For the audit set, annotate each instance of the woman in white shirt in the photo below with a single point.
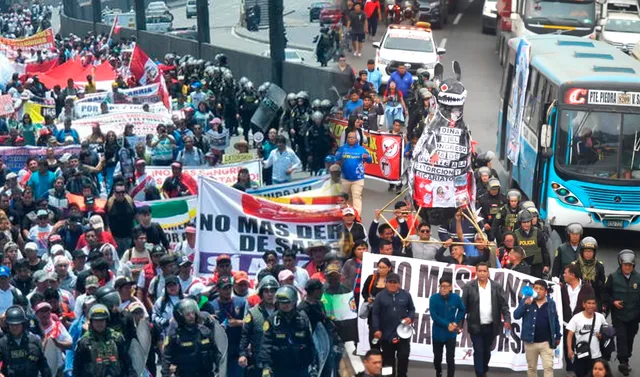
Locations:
(580, 330)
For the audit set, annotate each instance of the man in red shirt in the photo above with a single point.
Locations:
(374, 14)
(104, 236)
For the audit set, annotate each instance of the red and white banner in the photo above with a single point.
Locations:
(227, 174)
(234, 222)
(43, 40)
(441, 168)
(146, 71)
(143, 123)
(6, 105)
(386, 151)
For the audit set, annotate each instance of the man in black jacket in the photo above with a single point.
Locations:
(391, 307)
(486, 305)
(372, 364)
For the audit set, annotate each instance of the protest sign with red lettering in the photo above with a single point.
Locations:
(225, 174)
(43, 40)
(143, 123)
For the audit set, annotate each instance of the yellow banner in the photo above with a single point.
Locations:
(236, 158)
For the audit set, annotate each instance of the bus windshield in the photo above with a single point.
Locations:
(575, 13)
(599, 144)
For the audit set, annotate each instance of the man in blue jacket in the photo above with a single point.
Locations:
(447, 312)
(541, 331)
(403, 80)
(391, 307)
(374, 75)
(352, 157)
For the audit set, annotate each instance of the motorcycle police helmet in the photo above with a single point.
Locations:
(108, 297)
(317, 116)
(268, 282)
(302, 95)
(493, 183)
(514, 194)
(626, 256)
(185, 306)
(15, 315)
(326, 104)
(423, 74)
(524, 216)
(588, 243)
(243, 81)
(315, 105)
(286, 295)
(574, 228)
(98, 311)
(484, 171)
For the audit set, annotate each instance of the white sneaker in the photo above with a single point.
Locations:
(355, 53)
(359, 54)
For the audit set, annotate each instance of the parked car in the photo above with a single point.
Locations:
(621, 30)
(316, 8)
(191, 8)
(489, 17)
(330, 15)
(433, 12)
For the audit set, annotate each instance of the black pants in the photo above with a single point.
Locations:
(536, 270)
(567, 362)
(482, 342)
(625, 334)
(267, 174)
(582, 367)
(438, 347)
(392, 352)
(373, 24)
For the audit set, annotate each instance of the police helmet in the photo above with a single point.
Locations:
(423, 73)
(493, 183)
(315, 105)
(484, 171)
(326, 104)
(525, 216)
(513, 193)
(108, 297)
(626, 256)
(249, 86)
(286, 295)
(588, 243)
(317, 116)
(268, 282)
(15, 315)
(243, 80)
(531, 207)
(302, 95)
(424, 94)
(228, 76)
(291, 97)
(185, 306)
(169, 57)
(221, 60)
(574, 228)
(98, 311)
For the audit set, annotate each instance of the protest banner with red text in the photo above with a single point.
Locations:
(143, 123)
(43, 40)
(16, 157)
(226, 174)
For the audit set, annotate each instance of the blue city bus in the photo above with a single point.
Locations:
(580, 131)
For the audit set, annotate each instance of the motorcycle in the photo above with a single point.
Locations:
(394, 13)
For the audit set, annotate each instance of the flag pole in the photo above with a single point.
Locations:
(115, 21)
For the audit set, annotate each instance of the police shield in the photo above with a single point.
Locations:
(322, 342)
(139, 348)
(220, 336)
(269, 107)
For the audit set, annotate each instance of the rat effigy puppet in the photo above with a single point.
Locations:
(441, 176)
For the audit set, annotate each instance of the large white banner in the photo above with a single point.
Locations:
(92, 109)
(139, 91)
(421, 279)
(245, 226)
(291, 188)
(226, 174)
(143, 123)
(516, 110)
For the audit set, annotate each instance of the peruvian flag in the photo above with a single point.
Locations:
(146, 72)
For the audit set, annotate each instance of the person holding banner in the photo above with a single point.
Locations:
(393, 306)
(283, 160)
(352, 157)
(487, 307)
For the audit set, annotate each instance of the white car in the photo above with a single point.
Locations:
(290, 55)
(621, 30)
(489, 16)
(158, 7)
(414, 46)
(191, 8)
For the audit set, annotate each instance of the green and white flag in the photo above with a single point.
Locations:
(172, 215)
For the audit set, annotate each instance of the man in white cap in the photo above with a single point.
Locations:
(39, 233)
(187, 247)
(97, 224)
(10, 185)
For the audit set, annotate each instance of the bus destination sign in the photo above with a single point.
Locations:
(613, 98)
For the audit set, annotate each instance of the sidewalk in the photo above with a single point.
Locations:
(262, 36)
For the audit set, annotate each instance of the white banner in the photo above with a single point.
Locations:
(92, 109)
(421, 279)
(140, 91)
(291, 188)
(237, 223)
(226, 174)
(143, 123)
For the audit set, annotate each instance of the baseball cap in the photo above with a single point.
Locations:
(182, 261)
(56, 249)
(223, 257)
(284, 275)
(332, 269)
(40, 276)
(225, 282)
(12, 245)
(42, 213)
(240, 277)
(42, 305)
(121, 282)
(348, 211)
(5, 272)
(96, 222)
(393, 277)
(335, 168)
(171, 280)
(92, 281)
(60, 259)
(143, 210)
(166, 259)
(11, 175)
(65, 158)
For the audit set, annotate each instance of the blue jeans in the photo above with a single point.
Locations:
(392, 113)
(482, 349)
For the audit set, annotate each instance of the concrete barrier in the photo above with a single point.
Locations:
(257, 68)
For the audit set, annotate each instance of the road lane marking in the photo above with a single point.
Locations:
(458, 17)
(443, 42)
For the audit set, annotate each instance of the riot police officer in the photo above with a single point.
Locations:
(622, 297)
(286, 122)
(190, 348)
(252, 334)
(592, 269)
(300, 124)
(507, 218)
(101, 352)
(247, 106)
(568, 251)
(490, 204)
(21, 352)
(287, 349)
(419, 113)
(533, 243)
(318, 143)
(119, 320)
(227, 102)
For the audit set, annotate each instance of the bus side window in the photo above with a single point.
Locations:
(530, 99)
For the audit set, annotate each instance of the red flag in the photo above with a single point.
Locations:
(116, 27)
(143, 68)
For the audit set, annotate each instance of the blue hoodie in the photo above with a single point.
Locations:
(352, 162)
(443, 312)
